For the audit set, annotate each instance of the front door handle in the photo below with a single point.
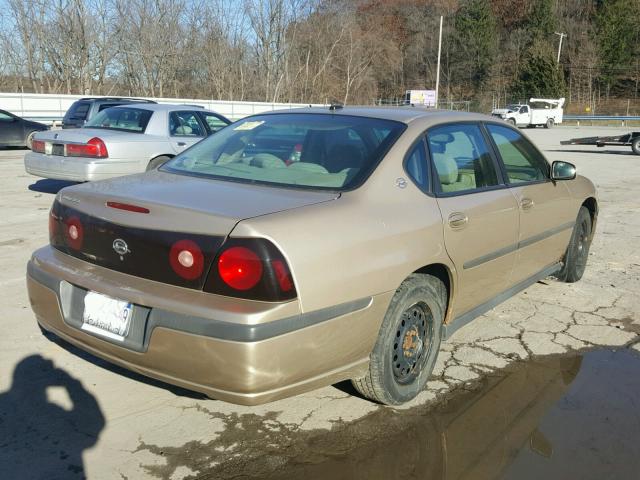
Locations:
(181, 144)
(526, 204)
(458, 220)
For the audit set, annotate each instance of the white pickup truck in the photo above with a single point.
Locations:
(539, 111)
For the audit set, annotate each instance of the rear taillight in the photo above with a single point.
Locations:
(37, 146)
(251, 268)
(94, 148)
(74, 233)
(240, 268)
(186, 259)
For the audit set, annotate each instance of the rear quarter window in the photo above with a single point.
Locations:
(78, 111)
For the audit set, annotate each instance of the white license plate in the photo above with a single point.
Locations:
(106, 316)
(48, 148)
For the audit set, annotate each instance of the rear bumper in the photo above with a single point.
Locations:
(78, 169)
(242, 352)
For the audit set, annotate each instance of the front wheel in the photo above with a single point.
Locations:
(575, 258)
(512, 121)
(635, 145)
(408, 342)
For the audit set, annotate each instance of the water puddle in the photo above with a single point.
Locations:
(565, 417)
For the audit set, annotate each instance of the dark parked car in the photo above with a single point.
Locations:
(16, 131)
(83, 110)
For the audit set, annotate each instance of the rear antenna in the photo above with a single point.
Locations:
(336, 106)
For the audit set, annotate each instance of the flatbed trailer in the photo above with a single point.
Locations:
(631, 139)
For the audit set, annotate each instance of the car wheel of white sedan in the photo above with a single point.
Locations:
(157, 162)
(408, 342)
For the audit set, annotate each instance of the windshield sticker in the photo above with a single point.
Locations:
(249, 125)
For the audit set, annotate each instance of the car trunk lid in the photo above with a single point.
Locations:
(132, 223)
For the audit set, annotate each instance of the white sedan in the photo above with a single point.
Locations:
(120, 141)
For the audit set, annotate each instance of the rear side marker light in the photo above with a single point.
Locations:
(240, 268)
(74, 233)
(186, 259)
(128, 207)
(282, 275)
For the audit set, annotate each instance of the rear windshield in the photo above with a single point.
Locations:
(120, 118)
(78, 111)
(324, 151)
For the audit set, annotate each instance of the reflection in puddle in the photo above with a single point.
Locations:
(567, 417)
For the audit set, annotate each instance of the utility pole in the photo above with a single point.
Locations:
(562, 35)
(439, 52)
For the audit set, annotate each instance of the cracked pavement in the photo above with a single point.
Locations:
(154, 431)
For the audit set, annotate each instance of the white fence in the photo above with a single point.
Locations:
(49, 108)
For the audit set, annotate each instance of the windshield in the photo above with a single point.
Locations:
(121, 118)
(513, 108)
(335, 152)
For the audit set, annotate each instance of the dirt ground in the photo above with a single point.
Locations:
(65, 414)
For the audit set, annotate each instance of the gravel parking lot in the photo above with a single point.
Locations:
(76, 414)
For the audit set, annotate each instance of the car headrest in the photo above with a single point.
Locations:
(184, 130)
(343, 156)
(446, 167)
(267, 160)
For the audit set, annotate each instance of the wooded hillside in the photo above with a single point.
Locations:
(350, 51)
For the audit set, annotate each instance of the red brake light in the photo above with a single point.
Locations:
(37, 146)
(74, 233)
(94, 148)
(128, 207)
(186, 259)
(240, 268)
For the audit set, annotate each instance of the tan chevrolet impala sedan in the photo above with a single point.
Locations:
(297, 249)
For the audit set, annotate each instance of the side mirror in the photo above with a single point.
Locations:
(563, 171)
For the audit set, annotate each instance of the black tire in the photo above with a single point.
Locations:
(28, 140)
(512, 121)
(577, 254)
(549, 123)
(408, 342)
(157, 162)
(635, 145)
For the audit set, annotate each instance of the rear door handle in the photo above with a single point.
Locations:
(526, 204)
(458, 220)
(181, 144)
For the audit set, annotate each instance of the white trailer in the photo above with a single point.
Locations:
(539, 111)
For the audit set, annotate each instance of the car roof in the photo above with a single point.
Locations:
(162, 107)
(405, 114)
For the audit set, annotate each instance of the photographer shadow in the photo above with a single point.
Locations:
(42, 439)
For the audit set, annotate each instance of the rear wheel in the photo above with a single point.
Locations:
(157, 162)
(549, 123)
(575, 259)
(408, 342)
(635, 145)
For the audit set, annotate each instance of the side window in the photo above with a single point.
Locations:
(522, 162)
(524, 109)
(5, 118)
(461, 157)
(185, 124)
(214, 122)
(416, 165)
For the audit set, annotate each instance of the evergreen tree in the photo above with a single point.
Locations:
(618, 33)
(476, 39)
(539, 75)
